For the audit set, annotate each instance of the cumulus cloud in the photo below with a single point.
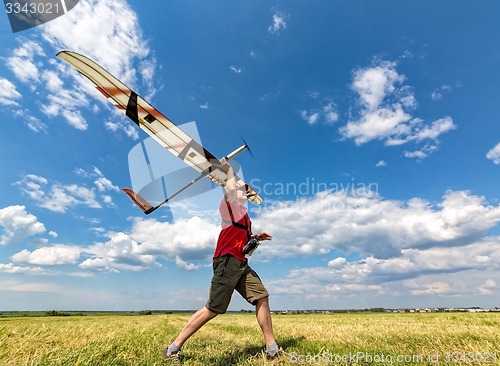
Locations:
(406, 247)
(8, 93)
(140, 249)
(188, 239)
(417, 273)
(363, 222)
(18, 225)
(494, 154)
(386, 107)
(116, 46)
(48, 256)
(106, 31)
(121, 252)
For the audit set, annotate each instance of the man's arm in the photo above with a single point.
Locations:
(231, 181)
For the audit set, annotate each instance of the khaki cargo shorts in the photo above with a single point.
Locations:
(231, 274)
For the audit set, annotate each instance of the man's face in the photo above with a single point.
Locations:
(241, 196)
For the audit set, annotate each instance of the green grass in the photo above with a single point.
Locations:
(236, 339)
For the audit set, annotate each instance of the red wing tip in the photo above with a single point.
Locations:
(144, 205)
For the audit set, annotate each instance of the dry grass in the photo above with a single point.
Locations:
(235, 339)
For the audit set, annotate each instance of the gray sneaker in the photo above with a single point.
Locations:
(279, 353)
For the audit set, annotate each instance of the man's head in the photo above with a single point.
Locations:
(241, 194)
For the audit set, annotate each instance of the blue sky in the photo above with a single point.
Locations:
(374, 127)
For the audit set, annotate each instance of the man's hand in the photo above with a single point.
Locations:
(224, 163)
(263, 236)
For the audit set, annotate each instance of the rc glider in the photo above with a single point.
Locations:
(159, 127)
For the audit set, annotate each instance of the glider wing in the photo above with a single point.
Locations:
(150, 120)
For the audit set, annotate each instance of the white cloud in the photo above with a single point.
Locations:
(421, 153)
(75, 119)
(27, 63)
(187, 239)
(48, 256)
(325, 113)
(487, 287)
(57, 197)
(421, 132)
(106, 31)
(376, 83)
(329, 113)
(18, 225)
(494, 154)
(436, 129)
(364, 222)
(278, 23)
(378, 124)
(121, 124)
(385, 111)
(235, 69)
(8, 93)
(432, 289)
(104, 184)
(416, 272)
(22, 64)
(33, 123)
(337, 262)
(436, 95)
(311, 117)
(185, 265)
(11, 268)
(381, 163)
(121, 252)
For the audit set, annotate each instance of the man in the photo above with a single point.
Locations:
(231, 272)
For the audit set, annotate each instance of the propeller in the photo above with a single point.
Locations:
(248, 147)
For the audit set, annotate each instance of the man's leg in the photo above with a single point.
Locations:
(196, 321)
(264, 319)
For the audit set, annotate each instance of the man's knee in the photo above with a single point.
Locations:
(210, 314)
(263, 300)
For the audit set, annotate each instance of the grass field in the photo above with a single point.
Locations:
(235, 339)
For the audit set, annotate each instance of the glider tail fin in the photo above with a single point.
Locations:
(144, 205)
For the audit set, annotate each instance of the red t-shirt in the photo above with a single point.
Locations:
(232, 239)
